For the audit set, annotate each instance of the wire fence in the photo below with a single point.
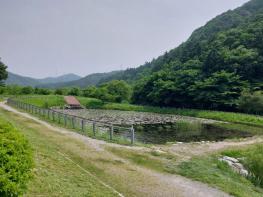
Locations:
(86, 126)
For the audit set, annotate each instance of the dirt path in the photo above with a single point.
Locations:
(187, 150)
(124, 177)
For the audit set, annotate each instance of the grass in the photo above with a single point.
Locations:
(252, 158)
(213, 172)
(45, 101)
(218, 174)
(154, 160)
(241, 128)
(54, 175)
(207, 169)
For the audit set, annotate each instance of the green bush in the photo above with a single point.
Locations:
(16, 161)
(94, 103)
(251, 103)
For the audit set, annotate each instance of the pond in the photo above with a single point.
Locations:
(182, 132)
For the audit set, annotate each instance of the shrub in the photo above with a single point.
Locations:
(251, 103)
(27, 90)
(15, 161)
(75, 91)
(94, 104)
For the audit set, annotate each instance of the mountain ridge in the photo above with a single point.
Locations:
(16, 79)
(192, 47)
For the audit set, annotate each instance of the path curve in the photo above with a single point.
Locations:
(166, 184)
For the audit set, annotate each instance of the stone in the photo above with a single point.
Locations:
(235, 165)
(230, 159)
(244, 172)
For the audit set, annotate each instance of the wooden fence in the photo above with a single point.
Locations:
(74, 122)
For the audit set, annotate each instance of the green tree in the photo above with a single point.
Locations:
(251, 102)
(75, 91)
(60, 91)
(119, 90)
(90, 91)
(220, 90)
(42, 91)
(13, 89)
(3, 72)
(27, 90)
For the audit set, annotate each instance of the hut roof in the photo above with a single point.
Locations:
(71, 100)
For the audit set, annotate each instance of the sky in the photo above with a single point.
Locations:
(41, 38)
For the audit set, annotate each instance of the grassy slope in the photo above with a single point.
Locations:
(54, 175)
(44, 101)
(210, 170)
(204, 169)
(54, 170)
(51, 100)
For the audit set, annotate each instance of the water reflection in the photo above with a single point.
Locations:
(183, 132)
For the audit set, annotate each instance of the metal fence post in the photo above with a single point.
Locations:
(65, 120)
(53, 115)
(132, 135)
(94, 128)
(82, 125)
(111, 132)
(73, 122)
(59, 116)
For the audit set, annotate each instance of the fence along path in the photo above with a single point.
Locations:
(75, 122)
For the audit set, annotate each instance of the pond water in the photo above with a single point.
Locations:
(182, 132)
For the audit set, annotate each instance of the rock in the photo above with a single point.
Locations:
(230, 159)
(244, 172)
(238, 165)
(235, 165)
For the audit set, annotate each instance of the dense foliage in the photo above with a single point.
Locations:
(15, 161)
(213, 67)
(3, 72)
(251, 103)
(113, 91)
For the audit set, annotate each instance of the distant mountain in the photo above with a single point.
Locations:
(60, 79)
(92, 79)
(14, 79)
(196, 46)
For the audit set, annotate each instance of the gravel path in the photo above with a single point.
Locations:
(151, 183)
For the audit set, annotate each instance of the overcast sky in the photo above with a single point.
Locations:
(41, 38)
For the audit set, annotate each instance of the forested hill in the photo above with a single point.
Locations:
(194, 47)
(218, 63)
(89, 80)
(212, 68)
(14, 79)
